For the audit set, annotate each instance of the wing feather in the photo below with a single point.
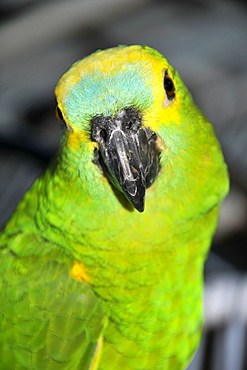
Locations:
(48, 319)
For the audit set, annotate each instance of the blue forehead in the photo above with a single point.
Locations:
(105, 94)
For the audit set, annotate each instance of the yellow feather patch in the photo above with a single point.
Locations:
(77, 137)
(79, 273)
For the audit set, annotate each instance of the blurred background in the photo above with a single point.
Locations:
(206, 40)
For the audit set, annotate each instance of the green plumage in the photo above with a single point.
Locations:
(137, 303)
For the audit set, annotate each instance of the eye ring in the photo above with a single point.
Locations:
(169, 86)
(59, 114)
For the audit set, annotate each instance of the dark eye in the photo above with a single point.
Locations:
(169, 87)
(59, 115)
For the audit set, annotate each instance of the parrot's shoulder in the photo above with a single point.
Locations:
(48, 317)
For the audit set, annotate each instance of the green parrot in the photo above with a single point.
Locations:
(102, 261)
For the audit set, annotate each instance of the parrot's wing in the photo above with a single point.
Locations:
(48, 320)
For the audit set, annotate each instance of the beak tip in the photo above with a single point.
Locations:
(138, 205)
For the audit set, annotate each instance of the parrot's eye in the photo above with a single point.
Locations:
(169, 87)
(59, 115)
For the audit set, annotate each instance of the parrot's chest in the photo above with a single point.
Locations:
(149, 282)
(152, 313)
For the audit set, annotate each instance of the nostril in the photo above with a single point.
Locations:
(130, 120)
(129, 125)
(103, 134)
(101, 128)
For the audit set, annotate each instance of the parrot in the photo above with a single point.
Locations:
(102, 261)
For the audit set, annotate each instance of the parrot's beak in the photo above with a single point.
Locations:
(128, 153)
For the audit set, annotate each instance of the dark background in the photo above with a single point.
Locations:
(207, 42)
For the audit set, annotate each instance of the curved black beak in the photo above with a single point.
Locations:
(128, 152)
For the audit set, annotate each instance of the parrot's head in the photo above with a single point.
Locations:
(123, 104)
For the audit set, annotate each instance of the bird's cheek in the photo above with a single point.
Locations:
(76, 139)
